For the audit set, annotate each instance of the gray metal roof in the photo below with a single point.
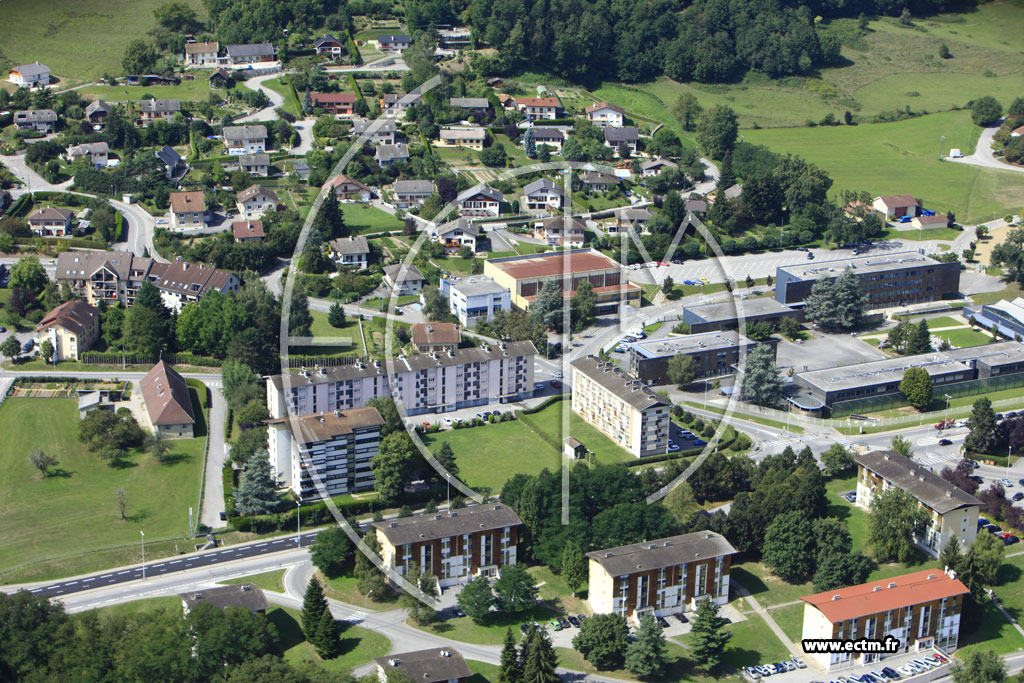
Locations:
(543, 184)
(36, 116)
(485, 190)
(353, 244)
(882, 371)
(34, 69)
(917, 480)
(861, 265)
(729, 310)
(632, 391)
(662, 552)
(384, 126)
(690, 343)
(250, 50)
(433, 526)
(247, 595)
(414, 187)
(439, 665)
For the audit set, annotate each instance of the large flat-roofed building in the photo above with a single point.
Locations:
(335, 447)
(952, 512)
(660, 577)
(628, 412)
(525, 275)
(716, 353)
(472, 299)
(921, 610)
(439, 665)
(883, 377)
(886, 279)
(726, 315)
(424, 383)
(456, 545)
(1007, 316)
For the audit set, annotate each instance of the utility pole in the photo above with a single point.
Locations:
(143, 554)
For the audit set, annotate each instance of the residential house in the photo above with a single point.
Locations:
(174, 165)
(625, 409)
(385, 155)
(245, 139)
(660, 577)
(439, 665)
(393, 42)
(896, 205)
(188, 210)
(247, 231)
(471, 105)
(952, 512)
(455, 38)
(51, 222)
(458, 233)
(470, 137)
(377, 131)
(562, 231)
(696, 206)
(96, 112)
(617, 137)
(653, 167)
(479, 200)
(605, 114)
(422, 383)
(397, 103)
(247, 595)
(201, 54)
(543, 195)
(525, 276)
(436, 337)
(220, 78)
(632, 219)
(252, 53)
(168, 403)
(552, 137)
(350, 190)
(72, 328)
(329, 45)
(599, 180)
(255, 164)
(475, 298)
(153, 110)
(337, 103)
(411, 193)
(95, 152)
(351, 252)
(35, 75)
(917, 612)
(1017, 132)
(256, 200)
(403, 279)
(455, 546)
(715, 354)
(43, 120)
(538, 108)
(734, 191)
(181, 282)
(325, 454)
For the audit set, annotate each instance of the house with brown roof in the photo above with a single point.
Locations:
(605, 114)
(351, 252)
(351, 190)
(439, 665)
(896, 205)
(72, 328)
(201, 54)
(245, 595)
(436, 337)
(188, 210)
(247, 231)
(929, 222)
(165, 394)
(254, 201)
(916, 612)
(337, 103)
(562, 231)
(535, 108)
(51, 222)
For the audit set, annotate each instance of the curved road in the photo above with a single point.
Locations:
(983, 155)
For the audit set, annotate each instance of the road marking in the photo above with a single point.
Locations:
(174, 562)
(36, 590)
(106, 576)
(259, 545)
(125, 571)
(72, 583)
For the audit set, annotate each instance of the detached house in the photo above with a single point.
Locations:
(165, 394)
(96, 112)
(254, 201)
(552, 137)
(479, 200)
(561, 231)
(653, 167)
(152, 110)
(351, 252)
(472, 105)
(458, 233)
(896, 205)
(188, 210)
(247, 231)
(605, 114)
(390, 154)
(396, 104)
(379, 131)
(436, 337)
(255, 164)
(35, 75)
(543, 195)
(396, 42)
(348, 189)
(202, 54)
(411, 193)
(245, 139)
(403, 280)
(42, 120)
(534, 108)
(616, 137)
(337, 103)
(439, 665)
(252, 53)
(329, 45)
(174, 165)
(597, 180)
(470, 137)
(72, 328)
(95, 152)
(51, 222)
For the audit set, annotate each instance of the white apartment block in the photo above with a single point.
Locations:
(626, 410)
(476, 298)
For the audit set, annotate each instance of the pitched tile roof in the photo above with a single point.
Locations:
(898, 200)
(432, 526)
(247, 229)
(662, 552)
(72, 315)
(626, 134)
(604, 105)
(353, 244)
(436, 333)
(881, 596)
(34, 69)
(202, 48)
(412, 273)
(188, 201)
(254, 190)
(166, 395)
(160, 106)
(244, 132)
(414, 187)
(50, 214)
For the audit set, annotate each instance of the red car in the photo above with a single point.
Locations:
(556, 384)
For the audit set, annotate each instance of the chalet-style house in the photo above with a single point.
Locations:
(411, 193)
(42, 120)
(329, 45)
(351, 252)
(254, 201)
(201, 54)
(461, 232)
(605, 114)
(153, 110)
(347, 189)
(245, 139)
(543, 195)
(479, 200)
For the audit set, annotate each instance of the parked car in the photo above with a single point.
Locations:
(800, 664)
(810, 255)
(538, 386)
(1007, 483)
(890, 672)
(906, 219)
(682, 618)
(1016, 497)
(448, 422)
(662, 622)
(563, 622)
(673, 447)
(555, 626)
(556, 384)
(699, 442)
(574, 621)
(753, 673)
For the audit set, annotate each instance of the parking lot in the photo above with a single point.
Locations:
(911, 666)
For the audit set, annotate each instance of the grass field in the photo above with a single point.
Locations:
(191, 91)
(491, 632)
(964, 337)
(64, 35)
(345, 589)
(363, 218)
(375, 334)
(358, 645)
(790, 619)
(268, 581)
(59, 521)
(903, 156)
(605, 450)
(142, 606)
(290, 104)
(321, 328)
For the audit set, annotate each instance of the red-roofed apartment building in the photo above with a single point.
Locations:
(167, 402)
(920, 610)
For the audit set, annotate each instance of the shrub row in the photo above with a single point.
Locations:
(664, 457)
(317, 514)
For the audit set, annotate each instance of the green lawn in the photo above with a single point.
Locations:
(903, 157)
(492, 632)
(375, 334)
(753, 642)
(290, 105)
(768, 422)
(189, 91)
(679, 667)
(964, 337)
(994, 632)
(321, 328)
(944, 321)
(358, 645)
(1010, 292)
(268, 581)
(64, 35)
(69, 522)
(482, 672)
(790, 619)
(345, 589)
(142, 606)
(605, 450)
(382, 304)
(554, 591)
(363, 218)
(949, 234)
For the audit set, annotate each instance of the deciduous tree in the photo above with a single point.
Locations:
(602, 640)
(331, 552)
(476, 599)
(894, 521)
(916, 385)
(682, 369)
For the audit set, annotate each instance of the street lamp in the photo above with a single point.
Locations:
(366, 602)
(942, 146)
(143, 554)
(298, 523)
(946, 419)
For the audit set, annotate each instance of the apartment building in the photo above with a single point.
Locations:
(411, 194)
(423, 383)
(455, 546)
(624, 409)
(475, 298)
(116, 277)
(325, 454)
(436, 337)
(72, 328)
(952, 512)
(887, 280)
(245, 139)
(188, 210)
(525, 275)
(715, 353)
(660, 577)
(479, 200)
(921, 610)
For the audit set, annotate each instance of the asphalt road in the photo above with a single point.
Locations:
(983, 155)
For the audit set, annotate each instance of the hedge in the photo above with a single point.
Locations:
(678, 455)
(228, 478)
(84, 242)
(318, 514)
(21, 206)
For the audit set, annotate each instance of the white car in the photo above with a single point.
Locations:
(1006, 483)
(448, 421)
(556, 375)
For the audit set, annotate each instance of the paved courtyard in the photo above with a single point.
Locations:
(825, 351)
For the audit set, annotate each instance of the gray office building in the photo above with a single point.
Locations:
(716, 353)
(726, 315)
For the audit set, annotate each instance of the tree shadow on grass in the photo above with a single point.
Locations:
(123, 464)
(175, 458)
(58, 472)
(289, 632)
(139, 516)
(752, 582)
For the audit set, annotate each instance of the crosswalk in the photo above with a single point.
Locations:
(355, 617)
(933, 460)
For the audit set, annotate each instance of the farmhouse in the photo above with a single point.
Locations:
(201, 54)
(165, 394)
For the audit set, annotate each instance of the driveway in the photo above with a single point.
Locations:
(276, 99)
(983, 155)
